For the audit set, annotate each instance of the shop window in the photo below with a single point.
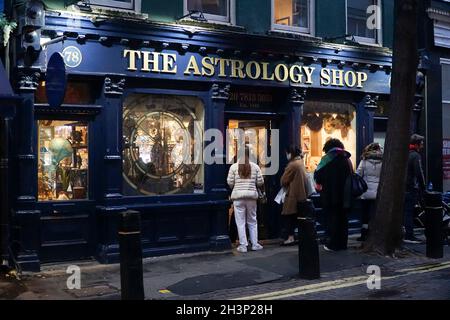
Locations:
(359, 20)
(293, 15)
(77, 92)
(134, 5)
(162, 145)
(63, 160)
(322, 121)
(213, 10)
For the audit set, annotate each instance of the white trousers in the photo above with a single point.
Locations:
(245, 212)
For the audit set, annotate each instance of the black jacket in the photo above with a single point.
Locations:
(332, 177)
(415, 179)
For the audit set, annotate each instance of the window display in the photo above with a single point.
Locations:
(322, 121)
(63, 160)
(159, 137)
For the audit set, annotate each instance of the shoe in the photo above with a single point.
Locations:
(257, 247)
(328, 249)
(412, 239)
(242, 248)
(288, 243)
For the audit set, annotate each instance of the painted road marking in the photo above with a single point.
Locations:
(341, 283)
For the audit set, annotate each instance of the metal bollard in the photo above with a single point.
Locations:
(131, 272)
(434, 231)
(308, 250)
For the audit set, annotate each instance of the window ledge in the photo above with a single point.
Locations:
(211, 25)
(294, 35)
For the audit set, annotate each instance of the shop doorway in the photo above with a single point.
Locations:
(258, 138)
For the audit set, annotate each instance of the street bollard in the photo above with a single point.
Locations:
(308, 250)
(131, 273)
(434, 231)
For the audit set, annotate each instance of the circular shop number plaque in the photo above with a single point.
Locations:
(72, 56)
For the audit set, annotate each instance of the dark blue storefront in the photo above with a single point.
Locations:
(116, 68)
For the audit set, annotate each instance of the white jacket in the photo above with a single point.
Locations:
(245, 188)
(370, 170)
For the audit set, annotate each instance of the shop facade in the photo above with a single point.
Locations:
(131, 86)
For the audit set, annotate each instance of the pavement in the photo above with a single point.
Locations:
(269, 274)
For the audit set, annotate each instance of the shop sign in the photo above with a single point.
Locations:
(250, 99)
(56, 80)
(208, 67)
(446, 159)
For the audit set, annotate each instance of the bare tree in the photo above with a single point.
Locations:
(386, 227)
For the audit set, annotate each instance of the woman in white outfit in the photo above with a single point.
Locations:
(244, 178)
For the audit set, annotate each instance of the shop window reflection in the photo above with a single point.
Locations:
(159, 140)
(63, 160)
(322, 121)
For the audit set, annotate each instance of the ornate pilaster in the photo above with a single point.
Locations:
(27, 85)
(27, 232)
(114, 87)
(216, 173)
(113, 91)
(367, 108)
(296, 102)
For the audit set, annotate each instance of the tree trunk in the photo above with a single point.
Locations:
(386, 227)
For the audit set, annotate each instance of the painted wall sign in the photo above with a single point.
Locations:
(72, 56)
(156, 62)
(56, 80)
(446, 158)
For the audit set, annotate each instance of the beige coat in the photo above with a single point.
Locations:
(294, 179)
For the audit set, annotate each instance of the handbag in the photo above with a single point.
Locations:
(356, 184)
(262, 198)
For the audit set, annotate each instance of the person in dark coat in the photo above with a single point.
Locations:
(415, 186)
(331, 176)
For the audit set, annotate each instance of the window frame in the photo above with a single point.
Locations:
(293, 29)
(444, 61)
(135, 5)
(230, 19)
(61, 117)
(378, 41)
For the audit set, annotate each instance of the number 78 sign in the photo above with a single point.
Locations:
(72, 56)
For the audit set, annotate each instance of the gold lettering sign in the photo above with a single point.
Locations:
(166, 63)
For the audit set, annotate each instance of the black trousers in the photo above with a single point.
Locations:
(289, 225)
(368, 211)
(337, 229)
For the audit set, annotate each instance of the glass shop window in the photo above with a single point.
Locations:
(162, 145)
(118, 4)
(215, 10)
(63, 160)
(77, 92)
(358, 21)
(322, 121)
(293, 15)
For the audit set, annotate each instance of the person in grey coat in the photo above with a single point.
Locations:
(370, 170)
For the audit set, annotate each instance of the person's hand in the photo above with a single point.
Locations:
(318, 187)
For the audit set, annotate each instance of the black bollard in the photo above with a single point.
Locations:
(131, 273)
(434, 231)
(308, 250)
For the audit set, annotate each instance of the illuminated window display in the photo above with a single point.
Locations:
(63, 160)
(159, 137)
(322, 121)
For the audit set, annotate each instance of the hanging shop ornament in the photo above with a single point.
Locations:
(315, 122)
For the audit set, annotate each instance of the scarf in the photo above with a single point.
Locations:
(330, 156)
